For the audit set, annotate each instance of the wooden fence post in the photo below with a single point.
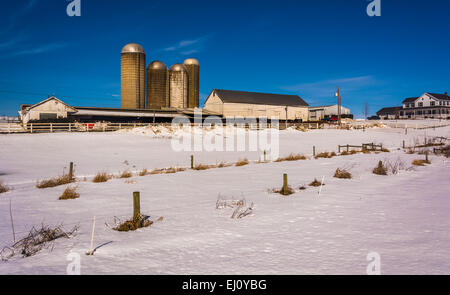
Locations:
(136, 206)
(70, 127)
(265, 155)
(348, 148)
(31, 126)
(285, 184)
(314, 151)
(426, 156)
(403, 144)
(339, 149)
(51, 127)
(71, 171)
(192, 161)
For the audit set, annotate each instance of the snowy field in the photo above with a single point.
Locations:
(403, 217)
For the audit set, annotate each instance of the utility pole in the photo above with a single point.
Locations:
(338, 95)
(286, 117)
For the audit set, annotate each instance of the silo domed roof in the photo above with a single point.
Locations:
(133, 48)
(157, 65)
(178, 68)
(191, 61)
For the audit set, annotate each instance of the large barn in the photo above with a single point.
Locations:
(241, 104)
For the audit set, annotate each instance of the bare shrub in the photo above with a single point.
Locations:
(37, 240)
(396, 166)
(56, 181)
(126, 174)
(326, 155)
(242, 162)
(291, 157)
(102, 177)
(3, 188)
(70, 193)
(133, 224)
(302, 188)
(316, 183)
(240, 206)
(242, 211)
(380, 169)
(343, 174)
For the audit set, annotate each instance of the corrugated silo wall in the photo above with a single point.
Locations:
(178, 89)
(157, 88)
(133, 80)
(194, 85)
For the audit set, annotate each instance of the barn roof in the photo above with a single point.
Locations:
(389, 111)
(231, 96)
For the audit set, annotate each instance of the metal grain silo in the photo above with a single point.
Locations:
(193, 68)
(133, 77)
(178, 84)
(157, 85)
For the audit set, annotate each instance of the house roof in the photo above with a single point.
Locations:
(440, 96)
(49, 99)
(410, 99)
(389, 111)
(231, 96)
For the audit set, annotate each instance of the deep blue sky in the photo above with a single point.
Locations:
(304, 47)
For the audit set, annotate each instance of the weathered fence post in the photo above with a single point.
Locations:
(285, 184)
(314, 151)
(265, 155)
(339, 149)
(70, 127)
(51, 127)
(31, 128)
(136, 206)
(192, 161)
(348, 148)
(426, 156)
(403, 144)
(71, 171)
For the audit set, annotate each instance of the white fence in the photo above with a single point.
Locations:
(108, 127)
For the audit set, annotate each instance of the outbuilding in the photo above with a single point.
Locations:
(248, 105)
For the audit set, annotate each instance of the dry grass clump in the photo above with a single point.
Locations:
(170, 170)
(36, 240)
(70, 193)
(420, 162)
(385, 150)
(316, 183)
(289, 191)
(326, 155)
(144, 172)
(380, 169)
(291, 157)
(343, 174)
(302, 188)
(126, 174)
(102, 177)
(242, 163)
(133, 224)
(200, 167)
(3, 188)
(223, 165)
(56, 181)
(352, 152)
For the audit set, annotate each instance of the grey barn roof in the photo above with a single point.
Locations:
(231, 96)
(389, 111)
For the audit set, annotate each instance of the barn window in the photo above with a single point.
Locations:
(47, 116)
